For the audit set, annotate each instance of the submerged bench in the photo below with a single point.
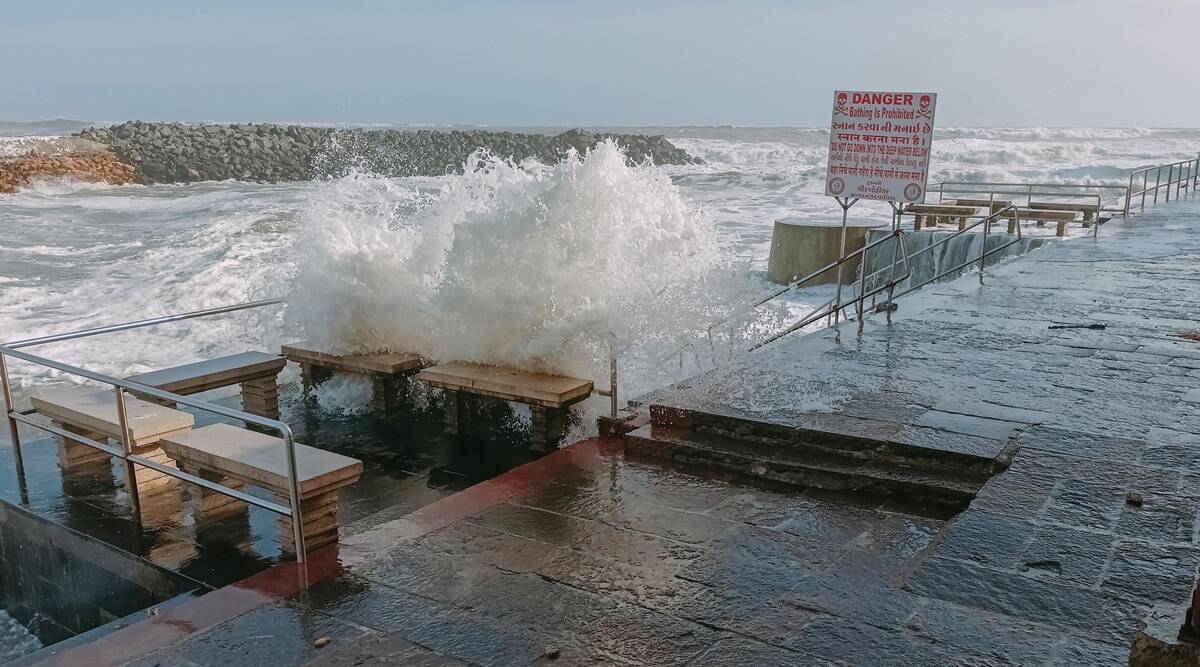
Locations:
(385, 368)
(1042, 216)
(993, 205)
(1089, 211)
(92, 413)
(234, 457)
(255, 371)
(549, 396)
(932, 214)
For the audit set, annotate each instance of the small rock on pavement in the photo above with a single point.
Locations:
(323, 641)
(1134, 498)
(552, 652)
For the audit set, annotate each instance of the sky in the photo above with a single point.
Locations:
(600, 63)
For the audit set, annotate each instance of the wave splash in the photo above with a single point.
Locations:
(527, 265)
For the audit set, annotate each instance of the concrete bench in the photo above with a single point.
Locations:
(1041, 217)
(932, 214)
(549, 396)
(1089, 211)
(993, 205)
(385, 369)
(235, 457)
(92, 413)
(255, 371)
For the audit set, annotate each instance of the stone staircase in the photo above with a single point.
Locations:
(809, 457)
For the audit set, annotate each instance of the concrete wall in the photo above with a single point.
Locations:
(60, 583)
(949, 254)
(800, 246)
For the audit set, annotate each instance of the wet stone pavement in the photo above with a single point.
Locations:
(592, 555)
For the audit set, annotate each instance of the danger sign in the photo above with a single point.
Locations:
(879, 145)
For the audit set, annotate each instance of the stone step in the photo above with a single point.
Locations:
(806, 467)
(864, 439)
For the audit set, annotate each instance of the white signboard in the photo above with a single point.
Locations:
(879, 145)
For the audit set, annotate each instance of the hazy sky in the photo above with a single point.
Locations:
(1010, 62)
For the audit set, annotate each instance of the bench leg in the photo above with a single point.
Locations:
(962, 223)
(457, 413)
(385, 390)
(319, 518)
(208, 505)
(1087, 222)
(1041, 223)
(260, 396)
(311, 376)
(74, 455)
(919, 222)
(150, 480)
(1012, 226)
(549, 427)
(1062, 228)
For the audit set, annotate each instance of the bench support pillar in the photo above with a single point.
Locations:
(311, 376)
(318, 515)
(458, 415)
(385, 393)
(1012, 226)
(75, 455)
(1062, 228)
(549, 427)
(149, 480)
(208, 505)
(260, 396)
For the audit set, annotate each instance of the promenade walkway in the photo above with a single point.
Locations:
(593, 556)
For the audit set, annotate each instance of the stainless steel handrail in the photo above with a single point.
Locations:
(859, 301)
(125, 326)
(1188, 179)
(125, 452)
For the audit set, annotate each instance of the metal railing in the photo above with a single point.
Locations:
(1184, 175)
(126, 451)
(1112, 195)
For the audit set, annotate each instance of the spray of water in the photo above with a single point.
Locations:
(527, 265)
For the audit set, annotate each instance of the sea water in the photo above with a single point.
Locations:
(535, 265)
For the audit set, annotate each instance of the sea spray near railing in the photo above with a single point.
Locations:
(528, 265)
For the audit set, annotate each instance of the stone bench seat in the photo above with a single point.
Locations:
(993, 204)
(234, 457)
(319, 363)
(1089, 211)
(550, 396)
(933, 214)
(92, 413)
(1041, 217)
(255, 372)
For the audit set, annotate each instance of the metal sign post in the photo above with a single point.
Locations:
(837, 303)
(879, 146)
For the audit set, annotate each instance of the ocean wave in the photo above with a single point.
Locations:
(524, 265)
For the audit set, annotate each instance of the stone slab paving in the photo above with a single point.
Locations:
(593, 556)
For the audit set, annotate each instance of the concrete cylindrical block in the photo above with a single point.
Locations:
(801, 246)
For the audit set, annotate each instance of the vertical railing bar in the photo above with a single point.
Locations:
(9, 408)
(126, 449)
(294, 494)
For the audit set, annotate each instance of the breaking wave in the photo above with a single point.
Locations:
(526, 265)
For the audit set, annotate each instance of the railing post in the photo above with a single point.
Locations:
(294, 495)
(1157, 182)
(1128, 196)
(612, 374)
(1145, 186)
(127, 449)
(6, 390)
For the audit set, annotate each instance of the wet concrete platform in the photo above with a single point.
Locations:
(596, 555)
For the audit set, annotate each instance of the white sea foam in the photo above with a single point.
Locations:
(526, 265)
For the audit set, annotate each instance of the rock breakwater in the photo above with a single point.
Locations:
(182, 153)
(72, 159)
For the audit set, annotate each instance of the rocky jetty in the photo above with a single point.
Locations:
(72, 159)
(182, 153)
